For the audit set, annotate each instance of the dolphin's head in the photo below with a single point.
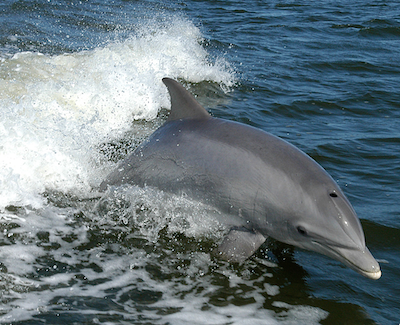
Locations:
(325, 222)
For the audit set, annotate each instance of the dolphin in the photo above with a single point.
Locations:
(265, 185)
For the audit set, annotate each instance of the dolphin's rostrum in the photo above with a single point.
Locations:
(267, 186)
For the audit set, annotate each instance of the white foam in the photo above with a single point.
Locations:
(35, 284)
(298, 315)
(271, 290)
(56, 110)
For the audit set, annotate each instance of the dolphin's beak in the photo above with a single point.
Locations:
(360, 260)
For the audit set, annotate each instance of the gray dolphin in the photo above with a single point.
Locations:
(267, 186)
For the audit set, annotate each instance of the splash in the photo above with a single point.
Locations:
(55, 111)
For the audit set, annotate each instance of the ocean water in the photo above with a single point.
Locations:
(80, 88)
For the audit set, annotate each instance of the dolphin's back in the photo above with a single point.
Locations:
(223, 163)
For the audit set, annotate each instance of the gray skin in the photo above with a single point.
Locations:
(267, 186)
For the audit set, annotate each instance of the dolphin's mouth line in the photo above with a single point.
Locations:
(369, 274)
(329, 243)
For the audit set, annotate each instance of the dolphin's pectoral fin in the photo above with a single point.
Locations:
(240, 244)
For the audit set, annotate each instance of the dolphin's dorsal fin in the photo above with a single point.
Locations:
(183, 104)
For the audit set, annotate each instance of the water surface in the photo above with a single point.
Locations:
(80, 88)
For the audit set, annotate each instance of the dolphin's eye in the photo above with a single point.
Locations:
(302, 231)
(333, 194)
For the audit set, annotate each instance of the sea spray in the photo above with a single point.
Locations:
(55, 111)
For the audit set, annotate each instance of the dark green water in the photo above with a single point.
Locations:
(80, 87)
